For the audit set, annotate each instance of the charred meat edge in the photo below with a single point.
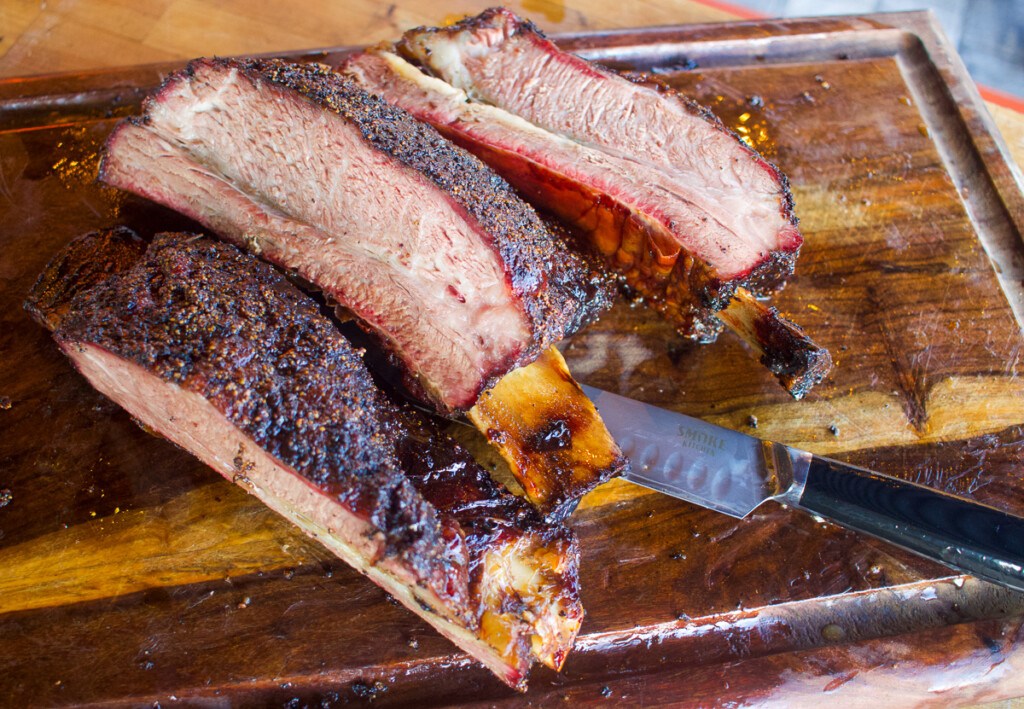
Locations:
(797, 361)
(415, 543)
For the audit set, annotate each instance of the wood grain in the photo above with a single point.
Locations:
(130, 573)
(78, 35)
(211, 533)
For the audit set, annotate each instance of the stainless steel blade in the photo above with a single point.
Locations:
(700, 462)
(732, 472)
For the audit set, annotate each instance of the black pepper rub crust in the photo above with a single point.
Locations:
(560, 291)
(212, 320)
(218, 322)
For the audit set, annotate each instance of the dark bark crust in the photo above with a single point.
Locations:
(794, 358)
(85, 262)
(215, 321)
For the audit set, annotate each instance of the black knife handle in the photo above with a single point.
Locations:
(968, 536)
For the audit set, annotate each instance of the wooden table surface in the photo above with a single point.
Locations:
(80, 35)
(76, 35)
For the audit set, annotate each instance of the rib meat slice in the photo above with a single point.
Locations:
(450, 270)
(456, 275)
(714, 211)
(600, 194)
(220, 354)
(613, 201)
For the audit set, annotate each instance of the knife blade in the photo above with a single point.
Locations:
(734, 473)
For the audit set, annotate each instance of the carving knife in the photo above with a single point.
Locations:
(734, 473)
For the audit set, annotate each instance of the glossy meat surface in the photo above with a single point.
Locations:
(512, 552)
(540, 420)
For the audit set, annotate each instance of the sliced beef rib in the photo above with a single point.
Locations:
(217, 352)
(438, 257)
(684, 194)
(426, 245)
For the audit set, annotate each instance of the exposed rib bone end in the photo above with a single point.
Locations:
(782, 346)
(550, 433)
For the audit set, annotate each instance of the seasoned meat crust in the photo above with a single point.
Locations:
(219, 323)
(87, 261)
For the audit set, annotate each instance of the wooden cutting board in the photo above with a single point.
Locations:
(131, 574)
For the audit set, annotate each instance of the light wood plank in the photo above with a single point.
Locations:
(191, 28)
(79, 39)
(214, 532)
(1011, 125)
(16, 16)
